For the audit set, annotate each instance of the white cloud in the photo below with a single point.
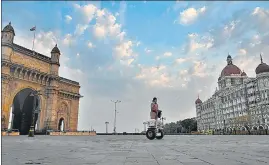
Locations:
(87, 11)
(167, 54)
(114, 29)
(180, 60)
(260, 11)
(148, 50)
(100, 13)
(99, 31)
(76, 6)
(124, 49)
(90, 45)
(190, 15)
(106, 25)
(154, 76)
(200, 69)
(80, 29)
(127, 62)
(68, 18)
(108, 29)
(183, 72)
(68, 40)
(198, 43)
(242, 52)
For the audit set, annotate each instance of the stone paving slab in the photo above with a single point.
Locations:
(135, 150)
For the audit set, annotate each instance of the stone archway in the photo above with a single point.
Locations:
(62, 116)
(21, 110)
(61, 125)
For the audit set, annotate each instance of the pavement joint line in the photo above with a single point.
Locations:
(153, 156)
(254, 160)
(191, 156)
(130, 149)
(251, 155)
(225, 153)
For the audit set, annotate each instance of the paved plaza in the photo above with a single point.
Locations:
(136, 150)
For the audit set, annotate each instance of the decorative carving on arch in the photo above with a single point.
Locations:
(62, 112)
(63, 108)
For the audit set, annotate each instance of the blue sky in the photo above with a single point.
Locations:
(134, 51)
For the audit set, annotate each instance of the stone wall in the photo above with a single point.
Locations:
(27, 61)
(69, 87)
(73, 133)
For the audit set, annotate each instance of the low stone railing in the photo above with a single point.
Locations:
(5, 133)
(91, 133)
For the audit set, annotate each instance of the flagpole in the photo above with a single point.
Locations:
(33, 42)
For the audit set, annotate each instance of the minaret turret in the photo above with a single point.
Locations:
(7, 38)
(8, 34)
(55, 60)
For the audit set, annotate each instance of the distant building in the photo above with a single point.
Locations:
(26, 73)
(239, 102)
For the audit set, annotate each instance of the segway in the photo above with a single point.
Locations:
(155, 128)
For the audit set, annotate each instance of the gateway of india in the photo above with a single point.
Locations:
(33, 93)
(239, 103)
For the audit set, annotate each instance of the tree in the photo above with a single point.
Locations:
(189, 124)
(183, 126)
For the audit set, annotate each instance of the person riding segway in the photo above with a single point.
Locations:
(155, 129)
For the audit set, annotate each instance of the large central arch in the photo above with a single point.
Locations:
(21, 113)
(61, 124)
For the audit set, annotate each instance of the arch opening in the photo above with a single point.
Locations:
(243, 128)
(21, 112)
(260, 127)
(61, 124)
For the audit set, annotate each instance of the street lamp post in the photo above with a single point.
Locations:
(163, 118)
(115, 102)
(32, 127)
(145, 126)
(106, 126)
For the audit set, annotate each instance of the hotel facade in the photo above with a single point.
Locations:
(240, 102)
